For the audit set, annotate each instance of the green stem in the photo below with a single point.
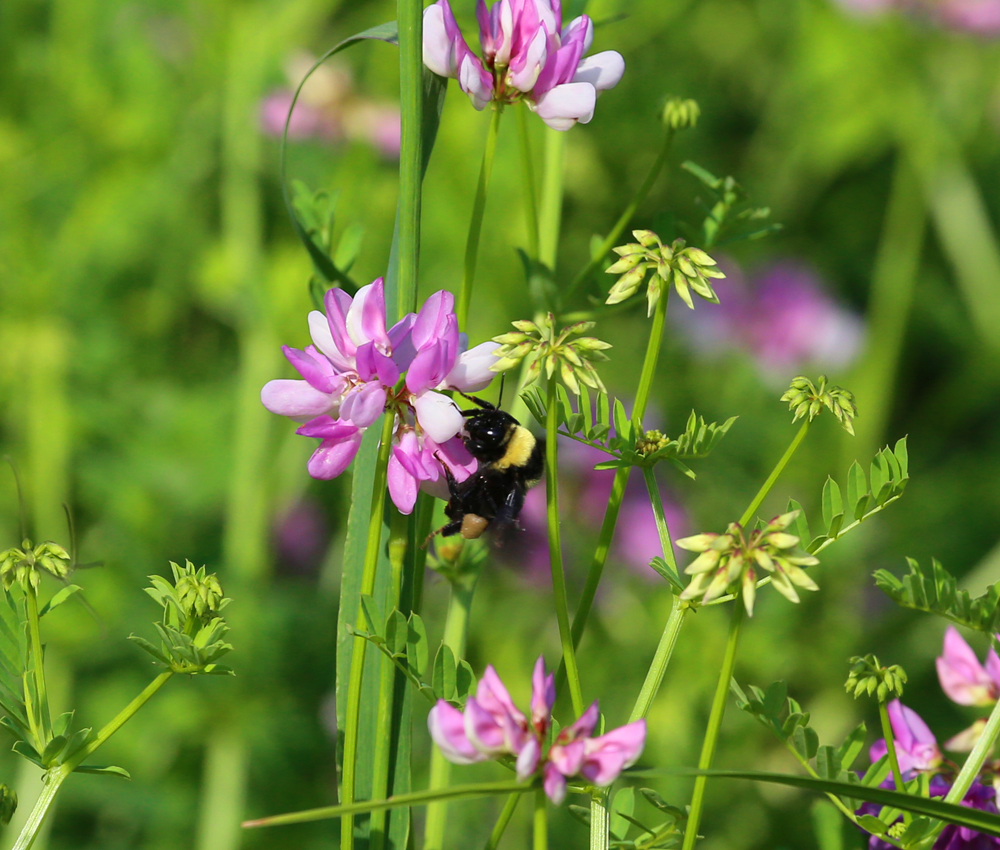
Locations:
(977, 758)
(53, 781)
(387, 686)
(600, 820)
(409, 14)
(38, 662)
(529, 180)
(415, 798)
(550, 209)
(555, 547)
(890, 743)
(666, 545)
(751, 511)
(501, 825)
(729, 660)
(456, 626)
(613, 235)
(607, 532)
(714, 724)
(541, 822)
(476, 223)
(353, 716)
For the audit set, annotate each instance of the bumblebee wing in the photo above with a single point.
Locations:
(508, 512)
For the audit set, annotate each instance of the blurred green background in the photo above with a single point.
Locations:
(149, 275)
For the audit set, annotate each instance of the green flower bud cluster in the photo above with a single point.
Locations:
(572, 358)
(680, 114)
(651, 442)
(8, 804)
(806, 399)
(21, 565)
(191, 632)
(728, 563)
(868, 676)
(687, 268)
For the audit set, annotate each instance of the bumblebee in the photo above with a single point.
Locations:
(511, 460)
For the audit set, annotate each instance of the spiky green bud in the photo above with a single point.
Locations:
(868, 676)
(679, 114)
(806, 399)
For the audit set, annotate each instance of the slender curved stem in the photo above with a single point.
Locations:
(38, 662)
(973, 764)
(555, 547)
(456, 627)
(506, 813)
(613, 235)
(890, 743)
(541, 822)
(353, 717)
(550, 209)
(476, 222)
(411, 95)
(765, 488)
(714, 724)
(53, 781)
(529, 180)
(600, 820)
(610, 520)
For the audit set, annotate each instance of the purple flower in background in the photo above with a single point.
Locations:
(300, 537)
(527, 54)
(352, 373)
(783, 317)
(492, 726)
(981, 17)
(962, 677)
(329, 109)
(916, 746)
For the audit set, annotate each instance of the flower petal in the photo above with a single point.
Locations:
(403, 486)
(439, 47)
(610, 754)
(527, 759)
(564, 105)
(438, 416)
(364, 404)
(554, 784)
(432, 320)
(543, 696)
(483, 729)
(475, 81)
(962, 677)
(337, 304)
(447, 728)
(333, 457)
(602, 70)
(472, 369)
(296, 399)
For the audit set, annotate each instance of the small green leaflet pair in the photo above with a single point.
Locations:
(666, 834)
(630, 445)
(404, 641)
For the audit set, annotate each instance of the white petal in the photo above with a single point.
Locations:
(524, 79)
(472, 371)
(474, 81)
(296, 399)
(319, 330)
(564, 105)
(354, 314)
(437, 46)
(438, 416)
(602, 70)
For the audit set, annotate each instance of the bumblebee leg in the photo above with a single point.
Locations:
(449, 529)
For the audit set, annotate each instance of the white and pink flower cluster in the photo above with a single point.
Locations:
(354, 370)
(492, 726)
(527, 55)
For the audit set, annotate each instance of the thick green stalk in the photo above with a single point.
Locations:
(529, 180)
(476, 222)
(541, 822)
(600, 820)
(53, 781)
(38, 663)
(353, 717)
(555, 547)
(607, 532)
(55, 777)
(456, 627)
(550, 209)
(409, 15)
(890, 743)
(506, 813)
(615, 233)
(714, 724)
(729, 660)
(387, 687)
(977, 758)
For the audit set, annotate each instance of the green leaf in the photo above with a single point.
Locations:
(832, 503)
(852, 746)
(13, 645)
(857, 487)
(827, 762)
(902, 457)
(58, 598)
(465, 680)
(23, 748)
(349, 246)
(444, 675)
(108, 770)
(662, 569)
(372, 614)
(801, 527)
(621, 420)
(774, 699)
(396, 632)
(603, 410)
(52, 749)
(805, 741)
(417, 653)
(621, 810)
(872, 824)
(975, 819)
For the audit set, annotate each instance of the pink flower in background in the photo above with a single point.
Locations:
(980, 17)
(783, 318)
(351, 375)
(962, 677)
(527, 54)
(329, 109)
(916, 746)
(492, 726)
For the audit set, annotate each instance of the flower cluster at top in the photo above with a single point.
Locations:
(356, 368)
(967, 682)
(527, 55)
(492, 727)
(21, 565)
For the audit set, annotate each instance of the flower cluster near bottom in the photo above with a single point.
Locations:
(492, 727)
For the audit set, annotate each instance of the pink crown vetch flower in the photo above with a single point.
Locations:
(352, 373)
(527, 55)
(963, 678)
(492, 726)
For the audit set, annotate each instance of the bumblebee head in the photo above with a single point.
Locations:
(487, 433)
